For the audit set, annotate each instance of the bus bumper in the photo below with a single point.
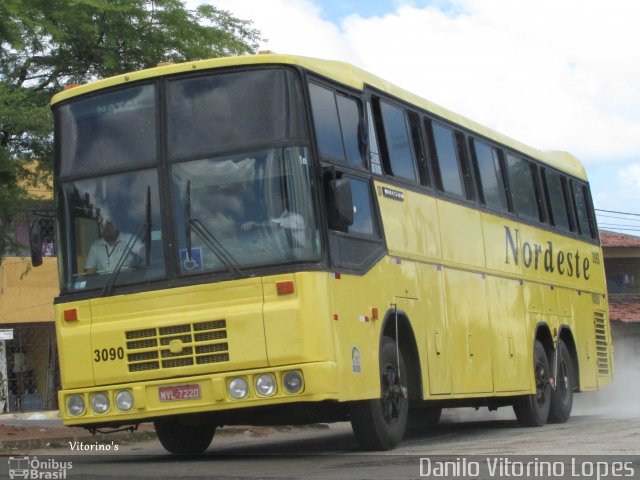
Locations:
(143, 401)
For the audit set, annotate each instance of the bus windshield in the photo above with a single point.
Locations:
(244, 210)
(220, 184)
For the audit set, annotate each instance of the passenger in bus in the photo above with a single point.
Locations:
(293, 222)
(105, 253)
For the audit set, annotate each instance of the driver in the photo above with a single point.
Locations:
(105, 253)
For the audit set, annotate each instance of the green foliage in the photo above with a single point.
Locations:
(45, 44)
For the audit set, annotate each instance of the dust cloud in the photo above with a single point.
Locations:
(621, 398)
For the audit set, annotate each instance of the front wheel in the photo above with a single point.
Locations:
(562, 395)
(184, 436)
(379, 424)
(533, 410)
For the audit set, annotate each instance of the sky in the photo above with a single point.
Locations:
(554, 74)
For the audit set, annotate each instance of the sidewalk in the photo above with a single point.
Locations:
(35, 430)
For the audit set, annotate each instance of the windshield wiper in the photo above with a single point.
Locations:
(147, 228)
(140, 229)
(209, 239)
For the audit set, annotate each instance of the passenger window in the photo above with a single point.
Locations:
(337, 124)
(446, 157)
(349, 114)
(556, 195)
(374, 151)
(586, 225)
(523, 184)
(419, 148)
(489, 172)
(399, 149)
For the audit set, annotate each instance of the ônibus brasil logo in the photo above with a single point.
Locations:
(33, 468)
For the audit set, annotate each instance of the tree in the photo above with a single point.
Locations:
(45, 44)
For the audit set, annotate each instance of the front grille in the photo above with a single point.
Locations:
(193, 344)
(602, 344)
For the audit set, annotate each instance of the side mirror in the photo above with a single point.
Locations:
(340, 204)
(35, 242)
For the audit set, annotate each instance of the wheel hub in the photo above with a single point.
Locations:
(393, 394)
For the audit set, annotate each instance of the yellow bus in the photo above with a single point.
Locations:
(275, 239)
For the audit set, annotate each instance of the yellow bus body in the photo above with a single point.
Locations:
(473, 286)
(473, 314)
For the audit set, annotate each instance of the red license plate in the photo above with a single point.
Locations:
(179, 392)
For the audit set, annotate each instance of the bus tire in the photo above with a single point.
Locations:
(379, 424)
(533, 410)
(184, 438)
(562, 395)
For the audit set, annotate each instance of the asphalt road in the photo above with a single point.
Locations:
(478, 445)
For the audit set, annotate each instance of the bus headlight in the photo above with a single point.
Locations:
(100, 402)
(75, 405)
(266, 385)
(293, 381)
(238, 388)
(124, 400)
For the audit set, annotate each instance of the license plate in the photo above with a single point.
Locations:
(173, 393)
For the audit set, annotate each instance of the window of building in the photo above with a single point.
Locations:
(489, 169)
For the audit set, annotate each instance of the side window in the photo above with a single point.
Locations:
(419, 148)
(586, 225)
(337, 125)
(446, 160)
(355, 241)
(349, 113)
(556, 187)
(489, 169)
(524, 188)
(398, 141)
(363, 223)
(349, 204)
(374, 151)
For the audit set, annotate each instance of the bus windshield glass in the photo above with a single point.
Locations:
(244, 210)
(219, 183)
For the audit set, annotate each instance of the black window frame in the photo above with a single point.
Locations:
(500, 174)
(571, 225)
(539, 200)
(420, 146)
(435, 162)
(362, 133)
(381, 134)
(585, 191)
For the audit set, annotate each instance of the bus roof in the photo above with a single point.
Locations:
(345, 74)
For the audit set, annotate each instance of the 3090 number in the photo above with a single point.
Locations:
(107, 354)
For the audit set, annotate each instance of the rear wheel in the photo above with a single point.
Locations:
(379, 424)
(562, 395)
(533, 410)
(184, 435)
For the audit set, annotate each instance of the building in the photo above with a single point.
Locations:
(28, 357)
(29, 374)
(622, 265)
